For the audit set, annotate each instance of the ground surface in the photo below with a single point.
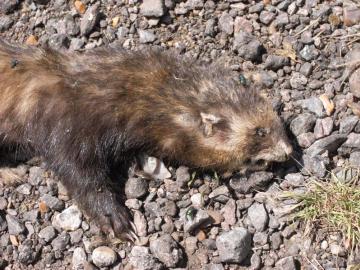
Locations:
(295, 49)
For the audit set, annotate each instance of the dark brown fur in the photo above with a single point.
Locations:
(86, 114)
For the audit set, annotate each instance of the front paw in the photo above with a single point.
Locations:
(111, 215)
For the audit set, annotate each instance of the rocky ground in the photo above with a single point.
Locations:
(305, 52)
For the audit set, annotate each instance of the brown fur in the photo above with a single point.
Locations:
(86, 114)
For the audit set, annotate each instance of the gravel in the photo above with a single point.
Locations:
(185, 218)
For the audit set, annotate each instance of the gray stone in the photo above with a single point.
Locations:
(287, 263)
(68, 26)
(79, 258)
(3, 203)
(266, 17)
(152, 8)
(90, 19)
(258, 216)
(219, 192)
(275, 240)
(76, 44)
(309, 52)
(14, 226)
(323, 127)
(133, 204)
(5, 23)
(354, 82)
(191, 223)
(36, 175)
(136, 188)
(260, 238)
(306, 69)
(146, 36)
(226, 23)
(306, 139)
(48, 233)
(140, 223)
(141, 259)
(69, 219)
(59, 42)
(313, 104)
(347, 124)
(195, 4)
(229, 212)
(315, 165)
(60, 242)
(210, 28)
(353, 141)
(24, 189)
(167, 250)
(294, 179)
(182, 176)
(8, 6)
(257, 180)
(354, 159)
(26, 253)
(255, 261)
(302, 123)
(31, 215)
(52, 202)
(281, 20)
(276, 62)
(234, 246)
(3, 223)
(337, 250)
(214, 266)
(298, 81)
(247, 46)
(103, 256)
(257, 8)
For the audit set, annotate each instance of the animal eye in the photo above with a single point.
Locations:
(262, 132)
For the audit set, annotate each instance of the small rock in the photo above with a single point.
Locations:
(260, 238)
(166, 249)
(306, 69)
(306, 139)
(316, 165)
(195, 220)
(298, 81)
(69, 219)
(133, 204)
(276, 62)
(3, 203)
(353, 141)
(281, 20)
(257, 180)
(347, 124)
(255, 261)
(351, 15)
(146, 36)
(79, 258)
(226, 23)
(229, 212)
(60, 242)
(309, 52)
(247, 46)
(323, 127)
(26, 253)
(275, 240)
(8, 6)
(152, 166)
(136, 188)
(234, 246)
(313, 104)
(242, 24)
(141, 259)
(90, 19)
(210, 28)
(197, 200)
(287, 263)
(59, 42)
(294, 179)
(266, 17)
(140, 223)
(103, 256)
(354, 82)
(14, 226)
(5, 23)
(302, 123)
(36, 174)
(182, 176)
(24, 189)
(219, 192)
(152, 8)
(53, 202)
(48, 233)
(258, 216)
(354, 159)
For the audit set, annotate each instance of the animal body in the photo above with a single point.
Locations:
(88, 114)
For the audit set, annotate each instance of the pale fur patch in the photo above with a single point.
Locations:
(12, 176)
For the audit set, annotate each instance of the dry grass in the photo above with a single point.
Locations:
(332, 204)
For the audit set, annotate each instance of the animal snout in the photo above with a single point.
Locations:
(284, 149)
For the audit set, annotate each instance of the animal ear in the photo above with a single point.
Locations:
(208, 120)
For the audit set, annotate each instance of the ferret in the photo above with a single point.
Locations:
(87, 114)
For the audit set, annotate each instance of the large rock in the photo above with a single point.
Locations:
(69, 219)
(103, 256)
(234, 246)
(247, 46)
(302, 123)
(141, 259)
(90, 19)
(330, 143)
(152, 8)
